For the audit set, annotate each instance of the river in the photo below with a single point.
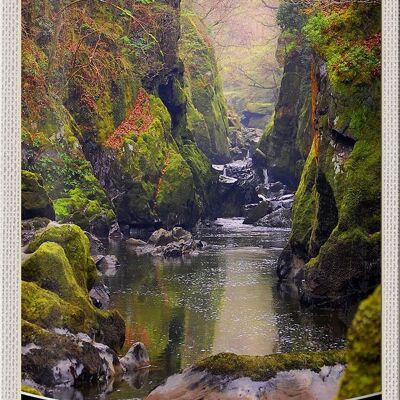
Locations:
(226, 299)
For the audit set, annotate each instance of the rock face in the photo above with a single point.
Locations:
(35, 200)
(286, 140)
(122, 143)
(363, 372)
(334, 248)
(237, 187)
(236, 379)
(207, 107)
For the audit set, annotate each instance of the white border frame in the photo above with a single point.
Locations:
(10, 156)
(390, 201)
(10, 211)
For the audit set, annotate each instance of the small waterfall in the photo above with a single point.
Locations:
(224, 172)
(248, 154)
(266, 178)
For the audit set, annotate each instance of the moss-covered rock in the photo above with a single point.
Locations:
(175, 189)
(334, 248)
(35, 201)
(207, 108)
(85, 211)
(56, 278)
(75, 244)
(287, 140)
(48, 310)
(262, 368)
(363, 372)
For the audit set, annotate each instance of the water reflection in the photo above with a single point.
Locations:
(244, 325)
(225, 299)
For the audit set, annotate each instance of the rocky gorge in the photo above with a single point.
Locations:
(131, 157)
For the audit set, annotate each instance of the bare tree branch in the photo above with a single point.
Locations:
(254, 82)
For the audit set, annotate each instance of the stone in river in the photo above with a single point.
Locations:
(181, 234)
(280, 218)
(136, 358)
(115, 232)
(108, 262)
(161, 237)
(100, 295)
(255, 212)
(135, 242)
(96, 246)
(173, 250)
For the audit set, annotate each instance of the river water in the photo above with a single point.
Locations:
(226, 299)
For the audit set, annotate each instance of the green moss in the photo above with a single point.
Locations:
(304, 207)
(261, 368)
(363, 372)
(31, 390)
(56, 278)
(343, 38)
(104, 118)
(362, 197)
(196, 124)
(76, 247)
(48, 310)
(204, 89)
(80, 210)
(175, 188)
(343, 265)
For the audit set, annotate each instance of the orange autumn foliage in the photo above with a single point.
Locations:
(137, 121)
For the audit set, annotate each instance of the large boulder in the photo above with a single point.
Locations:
(161, 237)
(237, 187)
(51, 359)
(35, 200)
(254, 212)
(76, 247)
(280, 218)
(305, 376)
(56, 278)
(181, 234)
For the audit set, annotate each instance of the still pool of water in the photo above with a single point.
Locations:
(226, 299)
